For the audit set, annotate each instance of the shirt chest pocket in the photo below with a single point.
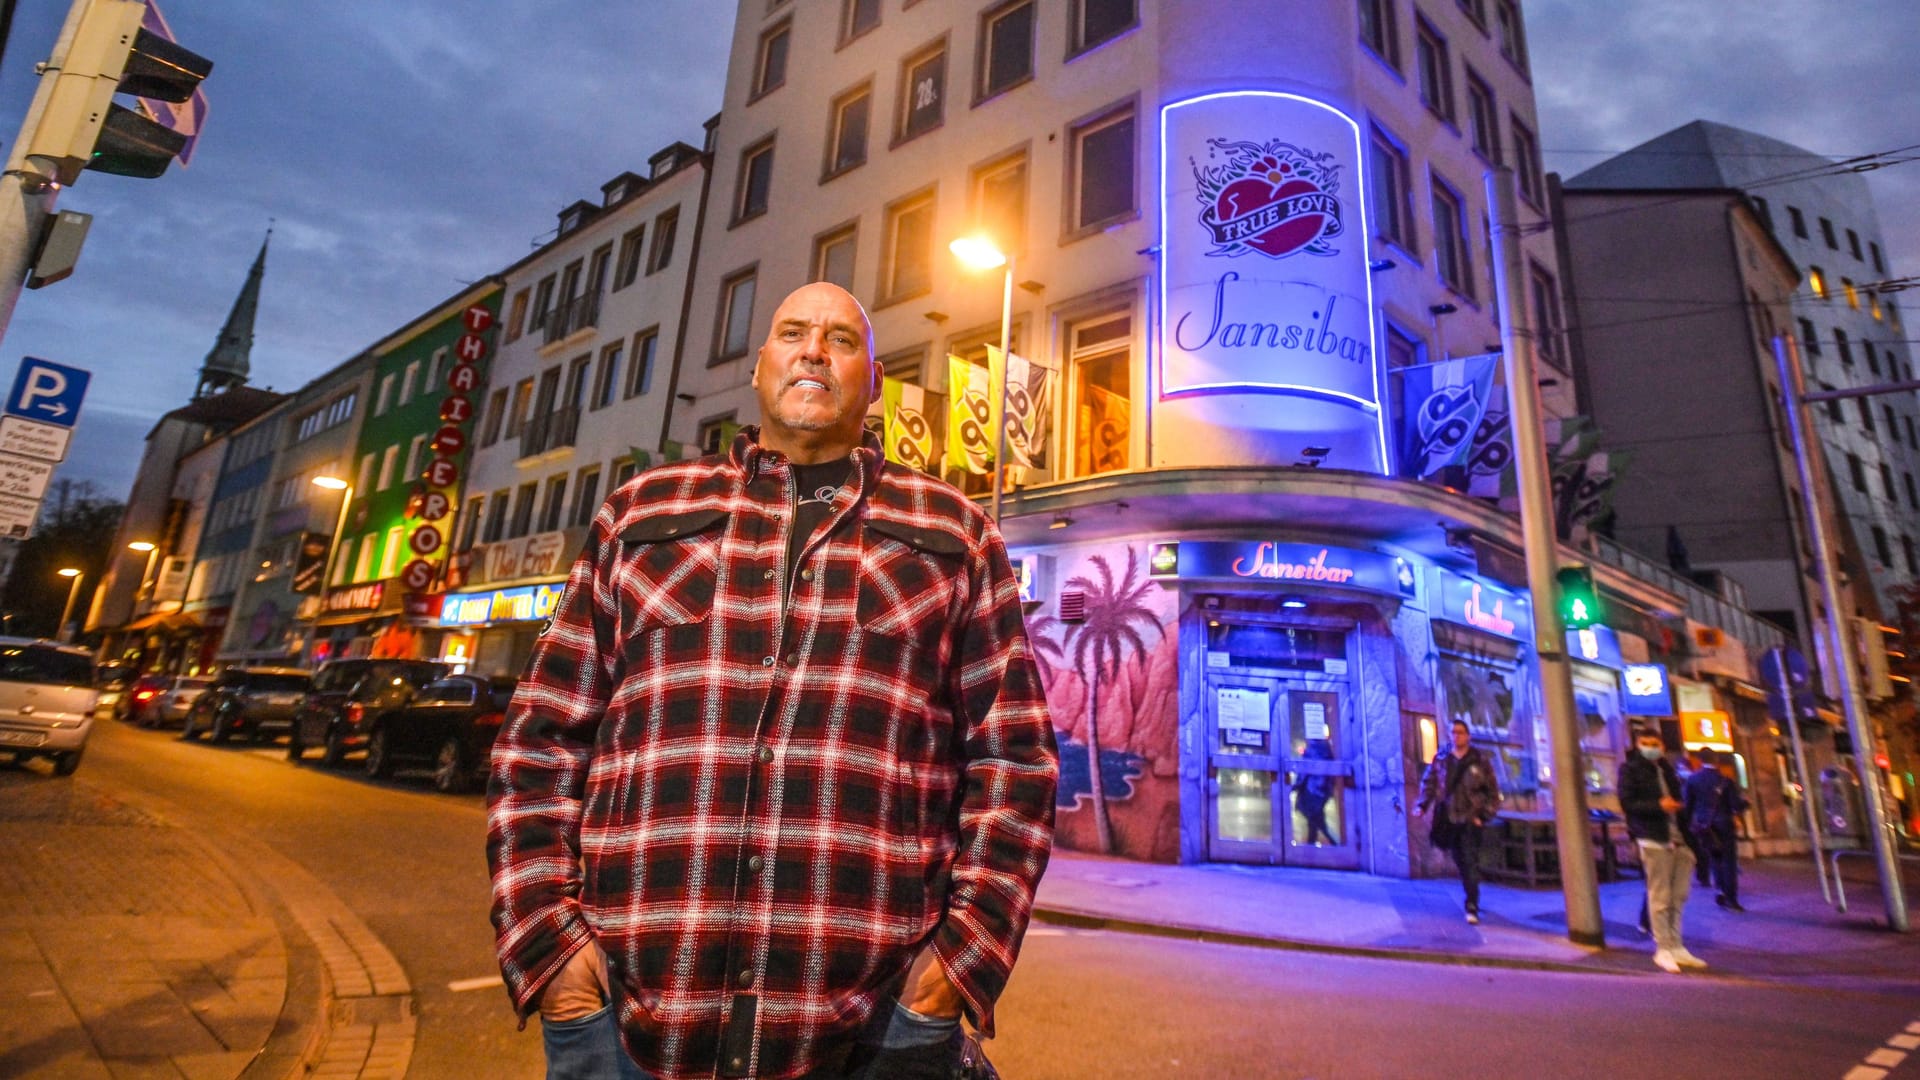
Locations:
(669, 569)
(909, 578)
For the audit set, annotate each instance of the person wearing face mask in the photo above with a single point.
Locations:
(1650, 797)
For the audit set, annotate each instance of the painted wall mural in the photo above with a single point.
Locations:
(1113, 682)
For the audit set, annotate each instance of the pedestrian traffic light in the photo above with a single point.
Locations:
(112, 52)
(1579, 600)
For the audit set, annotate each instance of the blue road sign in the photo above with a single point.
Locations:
(48, 392)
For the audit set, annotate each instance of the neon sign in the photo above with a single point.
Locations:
(1265, 565)
(1478, 616)
(525, 603)
(1482, 606)
(1643, 689)
(1267, 560)
(1264, 283)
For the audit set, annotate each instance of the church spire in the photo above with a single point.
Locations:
(226, 366)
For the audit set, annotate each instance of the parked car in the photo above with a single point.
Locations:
(138, 698)
(47, 701)
(450, 726)
(112, 679)
(347, 696)
(254, 701)
(166, 704)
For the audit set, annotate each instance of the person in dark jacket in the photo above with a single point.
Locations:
(1650, 797)
(1461, 781)
(1713, 803)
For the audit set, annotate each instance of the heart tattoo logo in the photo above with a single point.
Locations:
(1274, 198)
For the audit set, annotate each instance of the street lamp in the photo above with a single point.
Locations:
(333, 483)
(152, 552)
(981, 253)
(73, 592)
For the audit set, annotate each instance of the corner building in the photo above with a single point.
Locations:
(1229, 231)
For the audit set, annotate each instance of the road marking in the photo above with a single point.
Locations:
(1885, 1058)
(1045, 931)
(1864, 1072)
(1905, 1042)
(482, 983)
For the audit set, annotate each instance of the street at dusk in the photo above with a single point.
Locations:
(959, 539)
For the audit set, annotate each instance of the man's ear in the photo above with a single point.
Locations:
(758, 356)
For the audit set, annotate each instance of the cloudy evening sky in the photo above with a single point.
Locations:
(407, 146)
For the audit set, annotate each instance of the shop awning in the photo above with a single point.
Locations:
(169, 622)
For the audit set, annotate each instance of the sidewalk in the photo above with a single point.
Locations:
(1787, 932)
(125, 949)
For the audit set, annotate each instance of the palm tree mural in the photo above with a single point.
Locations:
(1108, 635)
(1039, 631)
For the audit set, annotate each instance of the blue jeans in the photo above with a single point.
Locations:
(911, 1047)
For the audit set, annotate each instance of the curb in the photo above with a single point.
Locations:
(1087, 921)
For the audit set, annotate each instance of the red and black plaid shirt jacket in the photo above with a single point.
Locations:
(763, 802)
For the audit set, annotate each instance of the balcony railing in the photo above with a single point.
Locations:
(557, 429)
(576, 313)
(1703, 604)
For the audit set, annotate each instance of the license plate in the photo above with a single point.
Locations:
(21, 738)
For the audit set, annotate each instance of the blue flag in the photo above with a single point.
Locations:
(1443, 405)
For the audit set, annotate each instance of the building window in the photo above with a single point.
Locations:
(384, 401)
(923, 93)
(496, 529)
(1433, 69)
(389, 461)
(1483, 120)
(363, 564)
(1866, 414)
(734, 329)
(1826, 233)
(1513, 36)
(1404, 349)
(469, 529)
(1853, 245)
(1809, 337)
(542, 304)
(1906, 548)
(847, 141)
(1817, 281)
(1451, 259)
(1762, 210)
(1886, 483)
(415, 466)
(770, 67)
(1547, 326)
(1852, 293)
(1913, 496)
(523, 500)
(554, 508)
(714, 434)
(342, 564)
(390, 555)
(1379, 31)
(1006, 48)
(857, 17)
(1880, 546)
(407, 378)
(640, 377)
(624, 469)
(1392, 190)
(1102, 167)
(631, 247)
(1100, 357)
(1000, 202)
(435, 365)
(1879, 265)
(522, 408)
(517, 315)
(496, 415)
(606, 383)
(1893, 424)
(1834, 411)
(1475, 10)
(1857, 472)
(1873, 356)
(833, 256)
(755, 184)
(664, 227)
(1096, 22)
(363, 480)
(907, 260)
(1799, 221)
(586, 496)
(1842, 346)
(1526, 163)
(1913, 440)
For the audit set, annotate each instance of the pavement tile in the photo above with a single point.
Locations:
(142, 1068)
(138, 1019)
(214, 1066)
(17, 945)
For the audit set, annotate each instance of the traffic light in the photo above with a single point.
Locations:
(1579, 600)
(118, 47)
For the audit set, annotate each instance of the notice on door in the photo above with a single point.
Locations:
(1313, 716)
(1245, 716)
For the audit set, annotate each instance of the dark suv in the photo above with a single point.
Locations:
(254, 701)
(348, 696)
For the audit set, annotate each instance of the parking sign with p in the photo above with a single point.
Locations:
(47, 392)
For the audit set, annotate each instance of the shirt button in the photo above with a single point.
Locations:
(766, 755)
(768, 576)
(755, 863)
(766, 661)
(793, 659)
(806, 575)
(746, 978)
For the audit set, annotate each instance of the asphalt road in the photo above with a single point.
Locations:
(1083, 1004)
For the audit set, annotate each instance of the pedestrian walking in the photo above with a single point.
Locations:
(777, 789)
(1464, 794)
(1714, 803)
(1312, 792)
(1650, 797)
(1686, 768)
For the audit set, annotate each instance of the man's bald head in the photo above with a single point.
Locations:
(815, 374)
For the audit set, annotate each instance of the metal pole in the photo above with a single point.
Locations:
(27, 188)
(1006, 336)
(66, 612)
(1578, 879)
(1810, 460)
(333, 552)
(145, 574)
(1807, 786)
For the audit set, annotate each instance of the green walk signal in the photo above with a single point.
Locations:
(1579, 600)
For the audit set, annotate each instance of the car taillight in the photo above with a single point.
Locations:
(146, 695)
(492, 719)
(356, 712)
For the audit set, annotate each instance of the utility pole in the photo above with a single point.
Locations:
(1572, 829)
(28, 188)
(1811, 461)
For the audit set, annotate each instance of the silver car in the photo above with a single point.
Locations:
(47, 701)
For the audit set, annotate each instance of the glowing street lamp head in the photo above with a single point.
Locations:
(141, 546)
(978, 253)
(67, 571)
(331, 483)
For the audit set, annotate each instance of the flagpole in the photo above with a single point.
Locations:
(1006, 368)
